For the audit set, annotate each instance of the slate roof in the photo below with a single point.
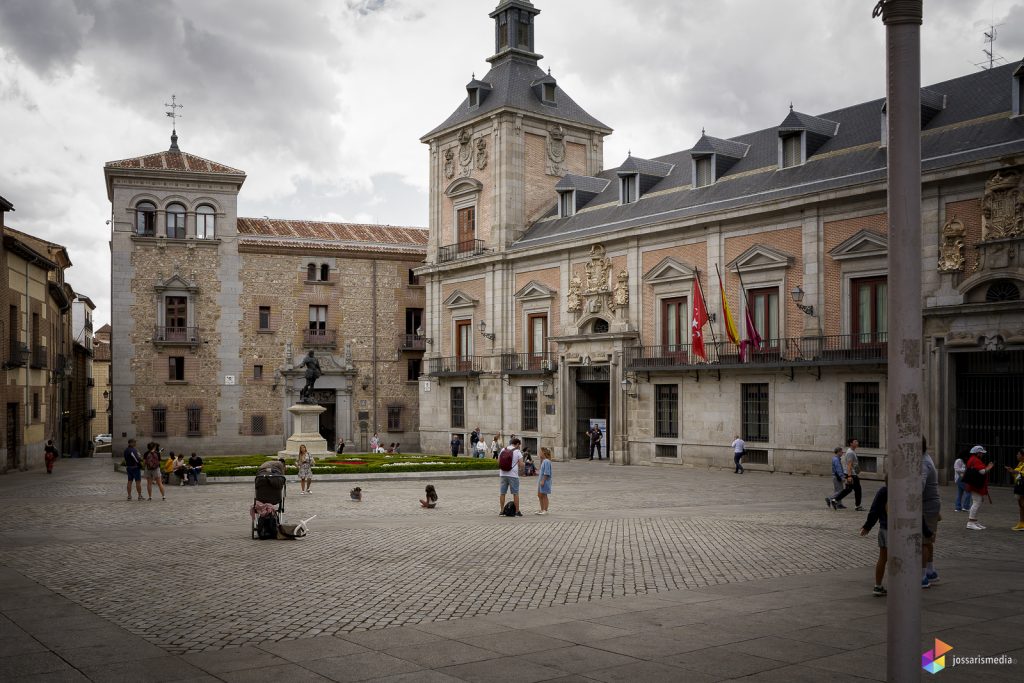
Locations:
(728, 148)
(511, 79)
(583, 183)
(812, 124)
(175, 161)
(649, 167)
(302, 233)
(975, 125)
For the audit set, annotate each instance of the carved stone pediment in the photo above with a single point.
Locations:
(459, 299)
(534, 291)
(176, 282)
(760, 257)
(865, 244)
(668, 270)
(1002, 208)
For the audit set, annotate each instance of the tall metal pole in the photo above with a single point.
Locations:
(904, 408)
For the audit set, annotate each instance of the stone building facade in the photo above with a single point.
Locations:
(211, 313)
(571, 298)
(103, 422)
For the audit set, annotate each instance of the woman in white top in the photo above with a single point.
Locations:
(963, 496)
(495, 446)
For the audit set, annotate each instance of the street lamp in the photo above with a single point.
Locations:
(798, 296)
(419, 333)
(484, 332)
(628, 387)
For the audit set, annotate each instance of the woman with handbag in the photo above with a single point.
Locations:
(1018, 486)
(976, 481)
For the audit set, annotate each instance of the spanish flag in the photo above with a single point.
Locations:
(730, 326)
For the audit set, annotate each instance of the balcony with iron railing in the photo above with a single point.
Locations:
(452, 366)
(39, 357)
(321, 339)
(528, 363)
(412, 342)
(17, 355)
(845, 349)
(460, 250)
(176, 336)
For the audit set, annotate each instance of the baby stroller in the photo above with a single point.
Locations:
(268, 506)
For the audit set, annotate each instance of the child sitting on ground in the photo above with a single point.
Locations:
(356, 493)
(431, 501)
(529, 469)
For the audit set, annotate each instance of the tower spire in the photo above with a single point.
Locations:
(514, 30)
(172, 113)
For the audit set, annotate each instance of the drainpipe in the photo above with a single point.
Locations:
(373, 343)
(903, 20)
(28, 363)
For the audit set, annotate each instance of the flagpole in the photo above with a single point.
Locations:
(746, 309)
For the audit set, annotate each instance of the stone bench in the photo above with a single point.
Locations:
(175, 480)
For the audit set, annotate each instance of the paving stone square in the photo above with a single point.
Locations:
(637, 574)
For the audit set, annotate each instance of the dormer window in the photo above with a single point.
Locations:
(702, 172)
(566, 204)
(549, 92)
(478, 91)
(791, 148)
(628, 188)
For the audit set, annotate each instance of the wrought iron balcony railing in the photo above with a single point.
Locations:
(412, 342)
(459, 250)
(17, 355)
(39, 357)
(847, 349)
(321, 339)
(452, 366)
(176, 336)
(528, 363)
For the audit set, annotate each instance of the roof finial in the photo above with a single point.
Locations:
(549, 71)
(702, 131)
(791, 106)
(629, 153)
(174, 116)
(473, 77)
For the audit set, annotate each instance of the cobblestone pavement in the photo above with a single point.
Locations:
(185, 576)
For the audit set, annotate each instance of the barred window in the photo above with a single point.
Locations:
(193, 415)
(862, 413)
(666, 411)
(258, 425)
(394, 418)
(755, 412)
(35, 405)
(159, 421)
(458, 406)
(529, 398)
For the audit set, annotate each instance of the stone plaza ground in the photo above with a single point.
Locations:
(638, 574)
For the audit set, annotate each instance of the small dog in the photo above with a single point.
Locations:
(356, 493)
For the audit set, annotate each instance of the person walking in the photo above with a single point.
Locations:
(878, 513)
(544, 481)
(304, 461)
(976, 476)
(50, 455)
(1018, 487)
(152, 462)
(456, 445)
(963, 496)
(931, 505)
(512, 459)
(738, 449)
(595, 441)
(341, 447)
(837, 477)
(474, 436)
(496, 445)
(851, 477)
(133, 466)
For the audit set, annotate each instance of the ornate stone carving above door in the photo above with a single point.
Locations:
(1002, 209)
(951, 251)
(594, 293)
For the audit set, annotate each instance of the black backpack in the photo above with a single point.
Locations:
(509, 510)
(266, 528)
(973, 477)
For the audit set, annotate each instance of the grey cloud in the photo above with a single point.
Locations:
(45, 34)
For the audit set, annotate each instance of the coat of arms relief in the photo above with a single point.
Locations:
(1002, 221)
(595, 292)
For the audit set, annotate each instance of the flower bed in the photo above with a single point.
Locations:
(248, 465)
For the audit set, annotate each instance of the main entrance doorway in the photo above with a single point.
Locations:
(593, 402)
(989, 406)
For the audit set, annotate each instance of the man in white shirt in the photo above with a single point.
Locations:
(738, 449)
(510, 479)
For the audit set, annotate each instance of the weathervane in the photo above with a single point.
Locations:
(173, 114)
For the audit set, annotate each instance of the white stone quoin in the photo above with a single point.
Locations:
(306, 430)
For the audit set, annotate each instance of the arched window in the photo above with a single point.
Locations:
(1002, 290)
(145, 219)
(311, 272)
(325, 272)
(205, 223)
(175, 221)
(600, 326)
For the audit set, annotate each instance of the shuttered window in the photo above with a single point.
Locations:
(791, 152)
(704, 176)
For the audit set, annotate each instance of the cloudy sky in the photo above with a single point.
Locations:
(322, 102)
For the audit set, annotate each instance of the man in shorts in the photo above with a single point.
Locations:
(930, 508)
(510, 479)
(133, 466)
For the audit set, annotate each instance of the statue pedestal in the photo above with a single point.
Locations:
(306, 420)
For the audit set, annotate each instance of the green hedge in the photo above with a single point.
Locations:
(247, 465)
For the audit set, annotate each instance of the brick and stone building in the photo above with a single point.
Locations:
(211, 313)
(103, 423)
(560, 292)
(82, 381)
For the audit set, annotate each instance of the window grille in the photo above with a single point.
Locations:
(160, 421)
(862, 413)
(458, 406)
(394, 418)
(755, 412)
(666, 411)
(1002, 290)
(258, 425)
(663, 450)
(529, 401)
(193, 416)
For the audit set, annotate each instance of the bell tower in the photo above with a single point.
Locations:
(513, 30)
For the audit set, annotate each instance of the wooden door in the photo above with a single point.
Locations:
(463, 344)
(466, 229)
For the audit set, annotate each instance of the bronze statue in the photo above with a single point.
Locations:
(312, 366)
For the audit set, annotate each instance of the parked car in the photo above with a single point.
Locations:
(103, 439)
